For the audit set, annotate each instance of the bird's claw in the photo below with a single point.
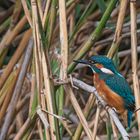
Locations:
(98, 103)
(113, 108)
(107, 106)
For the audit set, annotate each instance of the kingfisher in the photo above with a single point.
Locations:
(111, 85)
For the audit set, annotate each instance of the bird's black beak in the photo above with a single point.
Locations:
(82, 62)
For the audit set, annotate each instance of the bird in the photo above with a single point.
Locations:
(111, 85)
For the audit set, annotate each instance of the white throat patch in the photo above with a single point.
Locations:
(105, 70)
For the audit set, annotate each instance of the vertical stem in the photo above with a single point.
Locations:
(96, 122)
(134, 58)
(63, 39)
(46, 12)
(52, 21)
(64, 50)
(88, 107)
(119, 26)
(48, 94)
(27, 12)
(43, 72)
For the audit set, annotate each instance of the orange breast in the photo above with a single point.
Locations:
(112, 99)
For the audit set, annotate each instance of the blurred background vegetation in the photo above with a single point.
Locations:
(39, 39)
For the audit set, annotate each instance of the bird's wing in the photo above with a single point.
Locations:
(120, 86)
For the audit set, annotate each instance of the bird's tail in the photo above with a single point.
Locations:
(129, 117)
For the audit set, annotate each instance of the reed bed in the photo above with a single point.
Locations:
(44, 95)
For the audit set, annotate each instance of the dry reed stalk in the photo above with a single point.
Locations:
(121, 16)
(30, 132)
(11, 34)
(40, 11)
(52, 19)
(72, 22)
(71, 7)
(19, 120)
(119, 26)
(6, 14)
(22, 130)
(27, 12)
(109, 39)
(5, 25)
(63, 40)
(39, 127)
(88, 106)
(11, 129)
(16, 14)
(103, 119)
(43, 104)
(15, 57)
(22, 103)
(46, 12)
(48, 95)
(96, 122)
(9, 94)
(37, 44)
(32, 91)
(95, 15)
(68, 12)
(66, 127)
(134, 59)
(79, 112)
(114, 129)
(127, 52)
(8, 82)
(123, 64)
(64, 51)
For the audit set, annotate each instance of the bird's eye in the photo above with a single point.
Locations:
(92, 62)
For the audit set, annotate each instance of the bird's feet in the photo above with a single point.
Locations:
(113, 108)
(98, 103)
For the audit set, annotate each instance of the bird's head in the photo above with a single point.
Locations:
(103, 63)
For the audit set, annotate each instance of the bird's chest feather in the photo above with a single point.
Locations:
(112, 98)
